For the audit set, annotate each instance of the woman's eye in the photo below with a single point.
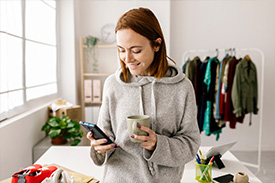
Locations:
(136, 51)
(121, 51)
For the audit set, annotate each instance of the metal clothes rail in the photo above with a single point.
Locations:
(242, 50)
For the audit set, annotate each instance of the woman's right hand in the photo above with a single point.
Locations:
(97, 144)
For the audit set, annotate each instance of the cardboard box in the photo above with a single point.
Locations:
(73, 112)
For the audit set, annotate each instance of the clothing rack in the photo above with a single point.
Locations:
(184, 57)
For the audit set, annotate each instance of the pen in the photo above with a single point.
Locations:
(205, 170)
(200, 152)
(203, 159)
(198, 159)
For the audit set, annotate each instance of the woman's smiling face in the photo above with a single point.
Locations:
(135, 51)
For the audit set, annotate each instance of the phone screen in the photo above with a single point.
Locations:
(97, 132)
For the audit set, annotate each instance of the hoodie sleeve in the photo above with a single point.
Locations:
(181, 148)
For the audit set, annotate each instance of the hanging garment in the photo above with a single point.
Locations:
(225, 75)
(209, 124)
(221, 95)
(245, 88)
(201, 93)
(219, 122)
(183, 68)
(191, 69)
(197, 75)
(224, 86)
(228, 110)
(217, 111)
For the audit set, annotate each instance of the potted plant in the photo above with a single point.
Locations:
(62, 129)
(91, 52)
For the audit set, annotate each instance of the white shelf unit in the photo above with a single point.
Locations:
(84, 74)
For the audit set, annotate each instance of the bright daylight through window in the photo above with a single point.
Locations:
(28, 55)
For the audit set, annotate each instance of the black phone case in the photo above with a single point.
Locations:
(97, 132)
(224, 178)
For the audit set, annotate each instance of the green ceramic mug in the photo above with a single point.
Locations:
(137, 120)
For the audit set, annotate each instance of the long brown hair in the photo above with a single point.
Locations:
(144, 22)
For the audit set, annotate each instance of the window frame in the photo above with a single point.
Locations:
(37, 102)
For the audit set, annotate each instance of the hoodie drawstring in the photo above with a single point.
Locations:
(153, 118)
(153, 115)
(153, 122)
(141, 109)
(153, 107)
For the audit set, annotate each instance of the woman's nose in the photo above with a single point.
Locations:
(128, 57)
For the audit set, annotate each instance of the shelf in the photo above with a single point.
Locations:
(93, 103)
(96, 74)
(85, 74)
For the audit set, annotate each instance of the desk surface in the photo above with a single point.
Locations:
(78, 159)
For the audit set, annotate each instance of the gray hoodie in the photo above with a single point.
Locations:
(170, 102)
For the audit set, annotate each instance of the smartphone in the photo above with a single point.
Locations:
(224, 179)
(97, 132)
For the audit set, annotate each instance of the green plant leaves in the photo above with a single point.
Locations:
(75, 142)
(54, 132)
(71, 124)
(53, 122)
(71, 130)
(63, 126)
(91, 41)
(46, 128)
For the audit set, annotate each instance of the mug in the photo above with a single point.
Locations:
(137, 120)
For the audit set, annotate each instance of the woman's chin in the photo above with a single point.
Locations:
(134, 73)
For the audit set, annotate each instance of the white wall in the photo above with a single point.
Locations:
(17, 138)
(67, 48)
(207, 24)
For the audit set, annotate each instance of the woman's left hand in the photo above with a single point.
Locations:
(150, 141)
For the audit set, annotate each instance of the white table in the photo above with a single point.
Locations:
(78, 159)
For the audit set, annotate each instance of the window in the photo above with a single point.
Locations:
(28, 55)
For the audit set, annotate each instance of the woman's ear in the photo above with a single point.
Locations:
(157, 44)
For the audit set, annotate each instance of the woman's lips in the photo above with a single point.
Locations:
(133, 66)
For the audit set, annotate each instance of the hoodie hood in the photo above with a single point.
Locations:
(172, 76)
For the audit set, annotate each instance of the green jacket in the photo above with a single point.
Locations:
(245, 88)
(191, 69)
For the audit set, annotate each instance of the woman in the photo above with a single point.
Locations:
(146, 84)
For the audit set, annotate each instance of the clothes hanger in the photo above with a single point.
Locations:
(228, 51)
(234, 52)
(231, 52)
(217, 52)
(247, 57)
